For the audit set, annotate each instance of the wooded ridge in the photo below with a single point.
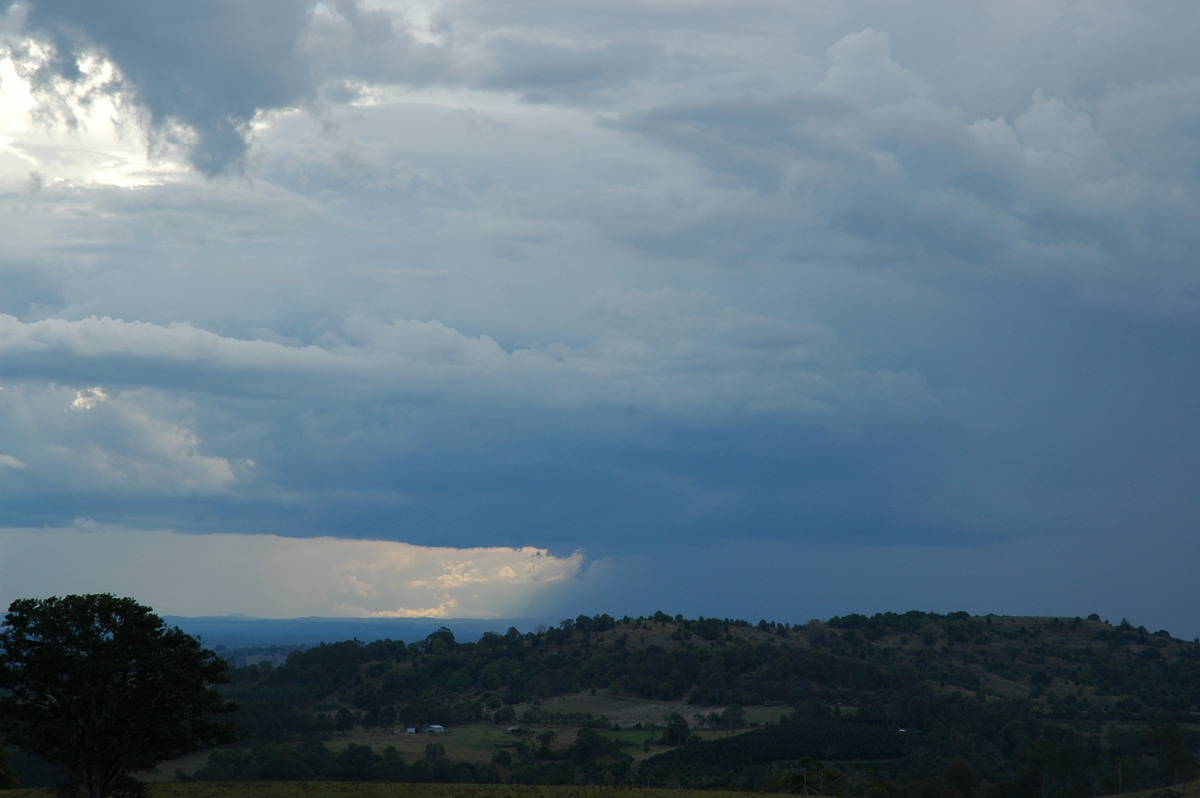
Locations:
(911, 704)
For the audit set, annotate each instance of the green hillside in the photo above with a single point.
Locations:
(913, 704)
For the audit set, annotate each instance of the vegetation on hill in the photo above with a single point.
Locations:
(901, 705)
(101, 688)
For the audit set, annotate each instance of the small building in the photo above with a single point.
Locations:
(434, 728)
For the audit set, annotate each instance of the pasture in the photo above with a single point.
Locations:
(326, 789)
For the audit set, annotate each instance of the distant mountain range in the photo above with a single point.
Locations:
(238, 631)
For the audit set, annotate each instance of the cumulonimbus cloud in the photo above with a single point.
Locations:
(274, 576)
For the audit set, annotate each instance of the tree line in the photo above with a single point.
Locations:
(904, 705)
(1016, 704)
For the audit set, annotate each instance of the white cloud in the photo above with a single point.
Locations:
(86, 441)
(88, 398)
(270, 576)
(679, 353)
(862, 67)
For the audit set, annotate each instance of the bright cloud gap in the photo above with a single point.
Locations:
(283, 577)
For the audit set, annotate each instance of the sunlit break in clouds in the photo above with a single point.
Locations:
(281, 577)
(470, 307)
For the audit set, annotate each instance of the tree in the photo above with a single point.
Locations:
(431, 643)
(545, 740)
(100, 687)
(8, 774)
(345, 720)
(733, 717)
(677, 731)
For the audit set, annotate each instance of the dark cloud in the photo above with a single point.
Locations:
(208, 66)
(898, 305)
(1062, 188)
(544, 71)
(28, 291)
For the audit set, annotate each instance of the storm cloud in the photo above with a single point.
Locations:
(768, 292)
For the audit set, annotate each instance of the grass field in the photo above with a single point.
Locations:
(1188, 790)
(479, 742)
(475, 742)
(327, 789)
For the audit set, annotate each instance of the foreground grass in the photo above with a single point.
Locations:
(336, 789)
(333, 789)
(1189, 789)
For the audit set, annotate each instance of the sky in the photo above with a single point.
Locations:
(760, 309)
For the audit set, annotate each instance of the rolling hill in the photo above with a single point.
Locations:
(914, 704)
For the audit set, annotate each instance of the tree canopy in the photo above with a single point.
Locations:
(100, 687)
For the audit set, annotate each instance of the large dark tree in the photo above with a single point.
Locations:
(8, 774)
(100, 687)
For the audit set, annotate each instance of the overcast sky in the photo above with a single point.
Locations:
(773, 309)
